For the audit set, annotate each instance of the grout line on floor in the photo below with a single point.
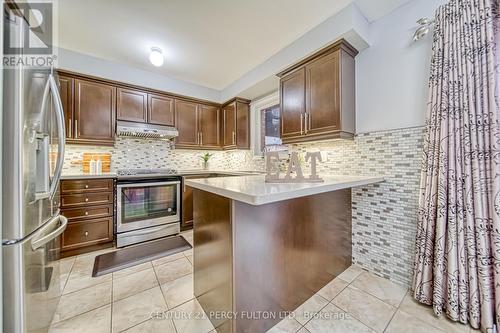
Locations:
(74, 291)
(61, 321)
(112, 304)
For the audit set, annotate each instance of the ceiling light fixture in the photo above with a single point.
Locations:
(156, 56)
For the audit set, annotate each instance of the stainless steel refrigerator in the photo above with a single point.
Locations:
(33, 153)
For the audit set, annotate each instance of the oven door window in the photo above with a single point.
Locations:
(148, 202)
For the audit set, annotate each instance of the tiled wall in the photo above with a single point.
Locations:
(384, 214)
(131, 153)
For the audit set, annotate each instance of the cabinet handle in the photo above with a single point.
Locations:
(234, 137)
(70, 129)
(86, 213)
(86, 186)
(306, 116)
(86, 199)
(201, 138)
(86, 234)
(309, 122)
(301, 123)
(76, 128)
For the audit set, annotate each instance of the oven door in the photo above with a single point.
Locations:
(142, 205)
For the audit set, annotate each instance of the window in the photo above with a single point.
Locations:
(270, 128)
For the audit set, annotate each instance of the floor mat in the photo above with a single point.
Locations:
(138, 254)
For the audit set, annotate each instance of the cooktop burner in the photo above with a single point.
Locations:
(136, 172)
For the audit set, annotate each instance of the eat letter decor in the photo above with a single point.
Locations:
(273, 172)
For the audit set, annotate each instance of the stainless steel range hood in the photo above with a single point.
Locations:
(142, 130)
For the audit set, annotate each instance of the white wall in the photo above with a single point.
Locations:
(392, 74)
(349, 23)
(89, 65)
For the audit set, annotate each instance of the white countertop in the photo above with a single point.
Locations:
(87, 175)
(179, 173)
(255, 191)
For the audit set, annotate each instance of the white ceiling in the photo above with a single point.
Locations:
(207, 42)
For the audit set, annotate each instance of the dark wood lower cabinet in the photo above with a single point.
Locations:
(84, 233)
(89, 206)
(268, 258)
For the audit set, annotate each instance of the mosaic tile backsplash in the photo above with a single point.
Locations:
(384, 214)
(132, 153)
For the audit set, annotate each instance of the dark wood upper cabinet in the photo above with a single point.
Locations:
(322, 95)
(209, 122)
(186, 121)
(292, 95)
(161, 110)
(66, 90)
(318, 96)
(92, 106)
(242, 125)
(229, 125)
(236, 124)
(131, 105)
(95, 106)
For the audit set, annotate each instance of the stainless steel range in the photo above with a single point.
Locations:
(148, 205)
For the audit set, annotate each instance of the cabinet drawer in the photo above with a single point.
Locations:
(86, 185)
(90, 212)
(86, 233)
(85, 199)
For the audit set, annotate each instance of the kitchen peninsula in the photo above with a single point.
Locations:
(264, 248)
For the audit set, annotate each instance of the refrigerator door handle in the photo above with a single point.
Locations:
(61, 132)
(42, 238)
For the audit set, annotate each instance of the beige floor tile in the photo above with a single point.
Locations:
(135, 309)
(426, 314)
(169, 258)
(82, 301)
(83, 264)
(309, 308)
(65, 265)
(190, 318)
(287, 325)
(351, 273)
(403, 322)
(83, 279)
(95, 321)
(173, 270)
(134, 269)
(134, 283)
(178, 291)
(366, 308)
(333, 320)
(190, 258)
(384, 289)
(333, 288)
(303, 330)
(153, 326)
(94, 254)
